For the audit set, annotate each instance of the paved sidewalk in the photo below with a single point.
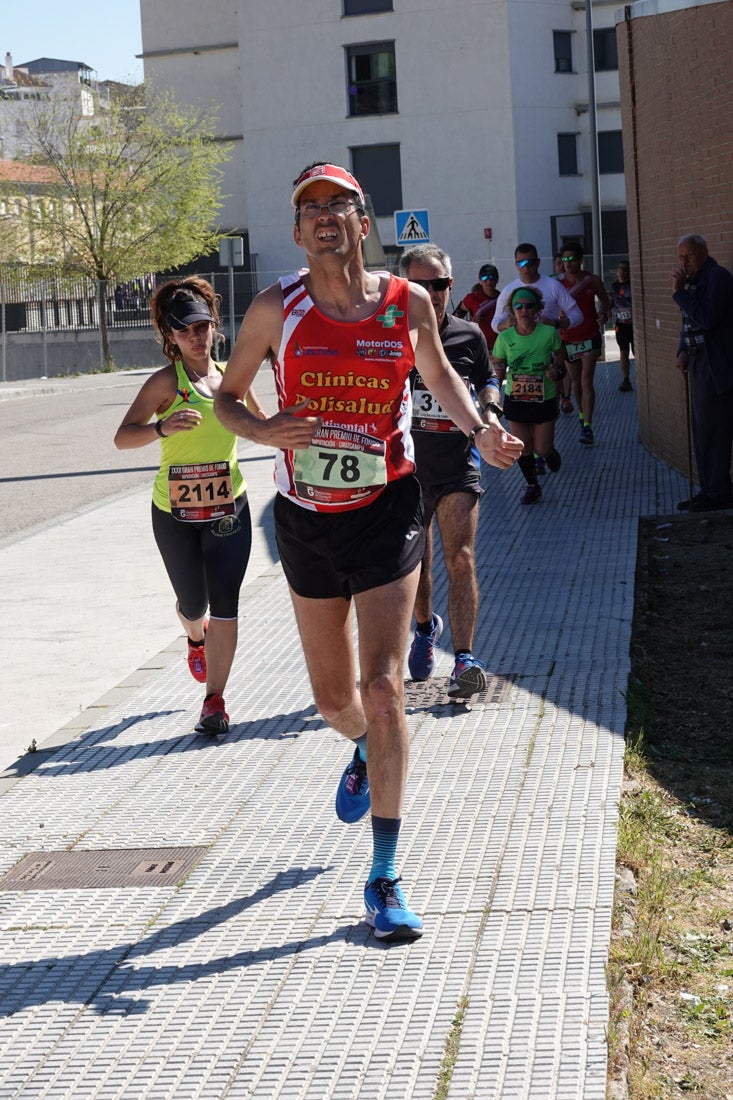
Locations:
(253, 974)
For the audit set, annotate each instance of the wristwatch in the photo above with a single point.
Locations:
(473, 433)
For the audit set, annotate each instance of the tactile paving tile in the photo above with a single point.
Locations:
(258, 977)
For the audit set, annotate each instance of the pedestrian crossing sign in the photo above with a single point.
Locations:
(411, 226)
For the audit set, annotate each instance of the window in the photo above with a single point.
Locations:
(372, 79)
(605, 50)
(379, 171)
(615, 232)
(562, 42)
(363, 7)
(567, 154)
(610, 152)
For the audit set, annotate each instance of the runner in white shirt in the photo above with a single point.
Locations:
(560, 307)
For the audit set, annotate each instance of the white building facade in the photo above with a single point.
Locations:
(475, 111)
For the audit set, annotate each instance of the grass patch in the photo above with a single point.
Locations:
(670, 974)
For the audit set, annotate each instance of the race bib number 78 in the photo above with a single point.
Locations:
(340, 466)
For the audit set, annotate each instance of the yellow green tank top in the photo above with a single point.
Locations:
(209, 442)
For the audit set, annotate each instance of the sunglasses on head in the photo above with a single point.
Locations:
(526, 263)
(434, 284)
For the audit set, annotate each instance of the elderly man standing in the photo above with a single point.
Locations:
(703, 290)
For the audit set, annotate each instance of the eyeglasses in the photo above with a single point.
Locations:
(337, 207)
(525, 305)
(527, 263)
(491, 278)
(568, 259)
(434, 284)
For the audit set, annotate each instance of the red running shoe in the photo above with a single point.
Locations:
(197, 658)
(214, 718)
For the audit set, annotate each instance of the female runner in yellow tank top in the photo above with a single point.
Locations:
(201, 519)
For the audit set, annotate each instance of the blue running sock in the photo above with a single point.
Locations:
(360, 744)
(385, 831)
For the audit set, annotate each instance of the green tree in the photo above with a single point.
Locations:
(135, 188)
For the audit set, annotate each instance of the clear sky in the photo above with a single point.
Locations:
(104, 34)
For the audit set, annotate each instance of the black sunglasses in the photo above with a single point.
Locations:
(433, 284)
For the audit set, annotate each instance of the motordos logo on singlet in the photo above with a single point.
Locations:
(379, 349)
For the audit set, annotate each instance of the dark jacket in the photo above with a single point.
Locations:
(708, 302)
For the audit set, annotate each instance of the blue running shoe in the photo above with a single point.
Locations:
(421, 661)
(387, 912)
(352, 796)
(468, 677)
(539, 464)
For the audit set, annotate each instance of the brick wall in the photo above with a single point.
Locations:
(676, 83)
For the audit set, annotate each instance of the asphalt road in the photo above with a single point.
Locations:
(57, 455)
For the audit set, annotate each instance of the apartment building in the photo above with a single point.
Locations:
(474, 111)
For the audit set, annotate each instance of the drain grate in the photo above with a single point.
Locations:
(434, 692)
(99, 870)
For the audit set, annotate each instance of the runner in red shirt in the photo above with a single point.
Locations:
(583, 342)
(348, 513)
(479, 304)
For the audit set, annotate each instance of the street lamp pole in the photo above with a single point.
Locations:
(593, 132)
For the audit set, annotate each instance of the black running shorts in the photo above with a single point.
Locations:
(530, 412)
(468, 482)
(326, 555)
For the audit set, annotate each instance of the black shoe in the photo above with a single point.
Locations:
(710, 504)
(625, 386)
(701, 502)
(684, 505)
(531, 495)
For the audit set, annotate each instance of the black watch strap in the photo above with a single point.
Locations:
(473, 433)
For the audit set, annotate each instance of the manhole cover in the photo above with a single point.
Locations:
(430, 693)
(97, 870)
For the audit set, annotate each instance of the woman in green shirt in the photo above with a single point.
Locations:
(529, 359)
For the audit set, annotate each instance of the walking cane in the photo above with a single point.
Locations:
(689, 430)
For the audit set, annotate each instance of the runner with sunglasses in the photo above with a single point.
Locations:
(529, 358)
(480, 302)
(559, 307)
(449, 477)
(348, 515)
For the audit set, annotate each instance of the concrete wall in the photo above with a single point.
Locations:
(24, 355)
(192, 50)
(677, 102)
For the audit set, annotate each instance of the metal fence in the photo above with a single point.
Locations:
(54, 303)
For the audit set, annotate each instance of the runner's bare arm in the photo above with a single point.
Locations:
(496, 446)
(258, 337)
(157, 394)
